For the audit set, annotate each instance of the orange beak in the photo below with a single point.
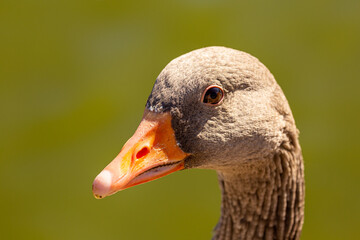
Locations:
(151, 153)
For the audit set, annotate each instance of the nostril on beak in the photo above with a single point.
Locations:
(142, 153)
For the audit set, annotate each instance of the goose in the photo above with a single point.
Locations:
(219, 108)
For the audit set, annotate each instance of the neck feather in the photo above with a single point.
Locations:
(263, 199)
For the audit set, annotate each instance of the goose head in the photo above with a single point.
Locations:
(214, 108)
(247, 121)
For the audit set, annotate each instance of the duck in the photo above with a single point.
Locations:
(219, 108)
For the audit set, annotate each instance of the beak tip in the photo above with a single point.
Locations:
(102, 184)
(98, 196)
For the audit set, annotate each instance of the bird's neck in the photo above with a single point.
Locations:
(263, 199)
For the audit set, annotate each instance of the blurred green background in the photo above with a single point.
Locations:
(74, 79)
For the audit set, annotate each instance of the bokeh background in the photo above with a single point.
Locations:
(74, 79)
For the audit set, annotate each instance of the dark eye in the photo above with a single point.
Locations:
(213, 95)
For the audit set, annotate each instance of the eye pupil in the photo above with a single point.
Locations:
(213, 95)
